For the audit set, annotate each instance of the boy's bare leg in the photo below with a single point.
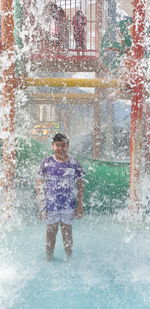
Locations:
(66, 230)
(51, 232)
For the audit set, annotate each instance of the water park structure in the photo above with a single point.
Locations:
(66, 53)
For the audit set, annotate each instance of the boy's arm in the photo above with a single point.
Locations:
(80, 188)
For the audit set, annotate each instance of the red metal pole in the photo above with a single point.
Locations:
(147, 140)
(8, 98)
(137, 99)
(97, 108)
(98, 25)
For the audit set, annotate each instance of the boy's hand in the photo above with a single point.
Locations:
(79, 212)
(42, 214)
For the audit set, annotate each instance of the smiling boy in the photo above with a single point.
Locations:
(62, 179)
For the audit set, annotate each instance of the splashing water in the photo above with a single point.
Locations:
(109, 269)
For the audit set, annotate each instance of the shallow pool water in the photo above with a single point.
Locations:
(110, 268)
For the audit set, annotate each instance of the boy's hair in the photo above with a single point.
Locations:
(59, 137)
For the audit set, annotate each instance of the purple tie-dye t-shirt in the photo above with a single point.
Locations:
(60, 183)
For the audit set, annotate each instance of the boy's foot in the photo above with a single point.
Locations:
(68, 258)
(49, 257)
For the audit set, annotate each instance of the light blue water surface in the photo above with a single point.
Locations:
(110, 268)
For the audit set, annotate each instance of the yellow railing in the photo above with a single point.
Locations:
(71, 82)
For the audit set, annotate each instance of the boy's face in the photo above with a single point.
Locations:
(61, 147)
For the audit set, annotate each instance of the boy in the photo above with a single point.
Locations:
(63, 194)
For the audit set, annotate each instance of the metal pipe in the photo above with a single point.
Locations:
(137, 99)
(70, 82)
(8, 99)
(59, 98)
(90, 4)
(98, 25)
(69, 96)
